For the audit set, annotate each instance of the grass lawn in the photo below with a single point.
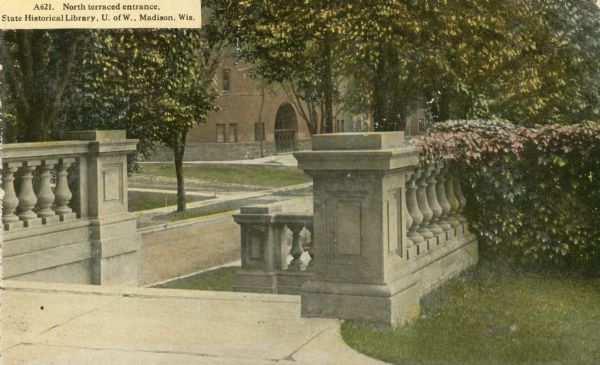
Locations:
(218, 280)
(486, 318)
(194, 213)
(258, 176)
(141, 200)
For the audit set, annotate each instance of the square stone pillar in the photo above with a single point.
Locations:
(103, 200)
(262, 247)
(360, 228)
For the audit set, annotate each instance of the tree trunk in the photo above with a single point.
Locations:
(178, 152)
(444, 106)
(37, 74)
(328, 86)
(378, 106)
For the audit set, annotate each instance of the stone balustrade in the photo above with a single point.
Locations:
(387, 230)
(276, 248)
(434, 203)
(64, 213)
(36, 187)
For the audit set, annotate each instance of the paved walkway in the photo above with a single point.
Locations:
(175, 248)
(75, 324)
(206, 243)
(284, 159)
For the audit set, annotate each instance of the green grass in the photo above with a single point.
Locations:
(141, 200)
(194, 213)
(486, 318)
(257, 176)
(218, 280)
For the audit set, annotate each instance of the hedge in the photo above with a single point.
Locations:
(533, 194)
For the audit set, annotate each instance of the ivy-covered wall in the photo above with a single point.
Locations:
(533, 193)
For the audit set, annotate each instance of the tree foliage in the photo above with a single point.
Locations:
(156, 84)
(533, 194)
(38, 66)
(294, 43)
(532, 61)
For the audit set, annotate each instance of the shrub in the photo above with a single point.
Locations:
(533, 194)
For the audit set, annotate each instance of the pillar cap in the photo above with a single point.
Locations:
(95, 135)
(357, 141)
(358, 151)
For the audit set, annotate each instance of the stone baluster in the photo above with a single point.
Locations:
(62, 192)
(462, 201)
(45, 195)
(408, 245)
(433, 202)
(27, 197)
(424, 205)
(443, 199)
(10, 201)
(454, 203)
(414, 218)
(296, 250)
(309, 247)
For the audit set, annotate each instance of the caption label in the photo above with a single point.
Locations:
(107, 14)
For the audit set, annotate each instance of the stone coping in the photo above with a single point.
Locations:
(357, 141)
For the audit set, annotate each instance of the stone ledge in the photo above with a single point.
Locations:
(357, 141)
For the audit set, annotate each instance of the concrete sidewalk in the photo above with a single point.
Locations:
(76, 324)
(283, 159)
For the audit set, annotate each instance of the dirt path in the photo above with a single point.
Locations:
(183, 250)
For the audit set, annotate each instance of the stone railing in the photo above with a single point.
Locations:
(386, 230)
(434, 202)
(276, 248)
(64, 213)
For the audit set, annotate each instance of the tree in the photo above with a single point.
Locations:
(293, 43)
(157, 84)
(530, 61)
(38, 65)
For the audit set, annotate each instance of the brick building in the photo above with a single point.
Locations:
(254, 120)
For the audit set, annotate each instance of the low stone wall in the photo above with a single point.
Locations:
(77, 230)
(224, 151)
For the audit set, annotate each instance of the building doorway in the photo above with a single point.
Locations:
(286, 128)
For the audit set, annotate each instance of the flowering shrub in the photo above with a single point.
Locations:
(533, 194)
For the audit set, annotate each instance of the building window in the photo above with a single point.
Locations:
(339, 125)
(259, 131)
(232, 133)
(226, 80)
(220, 133)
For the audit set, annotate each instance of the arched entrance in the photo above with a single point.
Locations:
(286, 128)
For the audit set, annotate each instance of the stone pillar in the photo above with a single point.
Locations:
(262, 249)
(102, 198)
(360, 228)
